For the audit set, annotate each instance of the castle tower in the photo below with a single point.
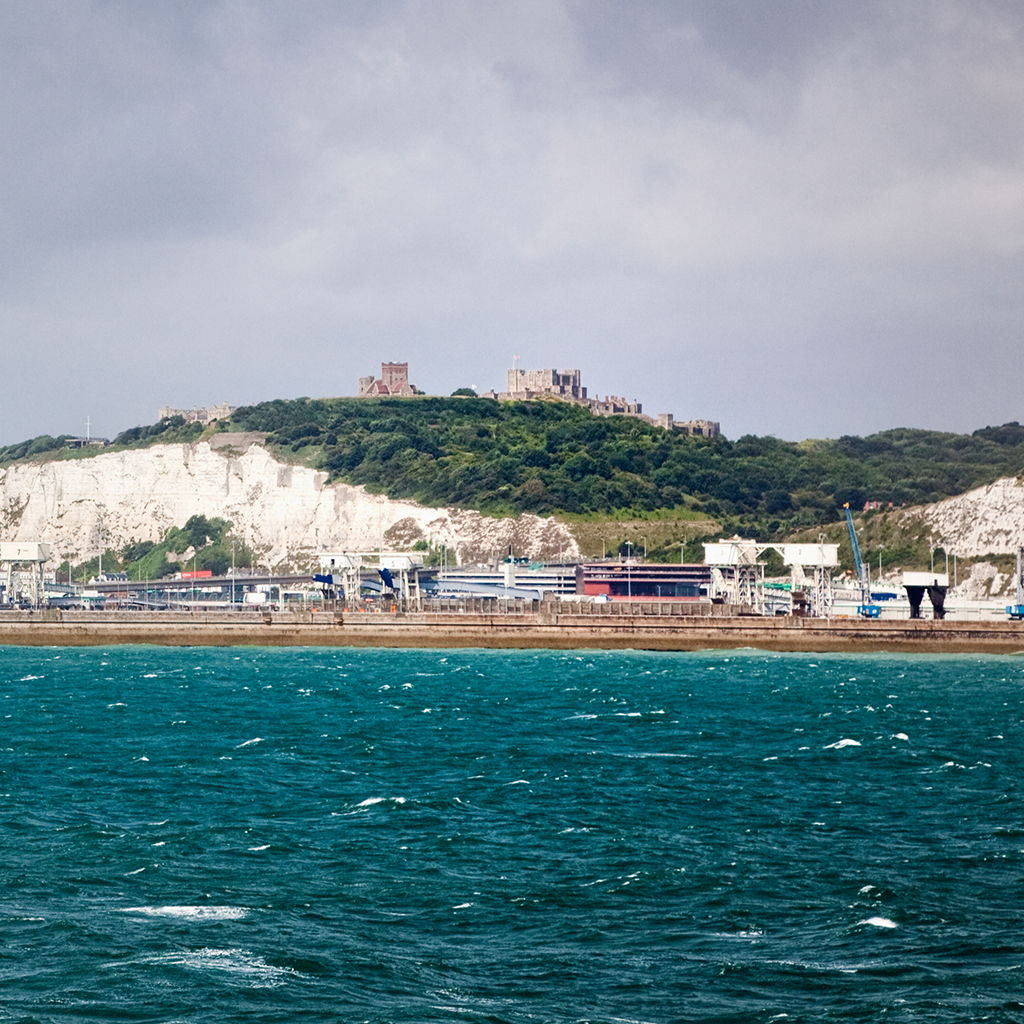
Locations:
(395, 376)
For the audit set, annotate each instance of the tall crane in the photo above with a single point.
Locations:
(866, 608)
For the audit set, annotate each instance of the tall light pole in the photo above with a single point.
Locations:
(629, 571)
(99, 520)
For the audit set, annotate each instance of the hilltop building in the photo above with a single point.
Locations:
(524, 384)
(393, 380)
(204, 416)
(86, 442)
(613, 405)
(701, 428)
(566, 386)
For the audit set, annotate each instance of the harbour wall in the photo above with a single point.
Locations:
(551, 629)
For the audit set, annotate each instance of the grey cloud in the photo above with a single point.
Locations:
(696, 203)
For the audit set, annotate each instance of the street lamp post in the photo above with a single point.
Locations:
(99, 514)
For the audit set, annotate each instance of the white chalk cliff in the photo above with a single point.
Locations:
(987, 520)
(285, 513)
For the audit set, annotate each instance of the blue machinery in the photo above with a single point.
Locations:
(1016, 611)
(866, 610)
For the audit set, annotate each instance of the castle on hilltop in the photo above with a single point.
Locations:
(204, 416)
(523, 385)
(393, 380)
(566, 386)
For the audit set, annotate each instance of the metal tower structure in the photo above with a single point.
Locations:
(28, 556)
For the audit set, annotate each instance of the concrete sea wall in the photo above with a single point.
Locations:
(542, 629)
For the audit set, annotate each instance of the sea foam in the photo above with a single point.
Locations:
(208, 913)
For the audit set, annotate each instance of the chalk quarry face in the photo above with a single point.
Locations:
(286, 513)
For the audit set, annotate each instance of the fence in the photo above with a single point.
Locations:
(519, 607)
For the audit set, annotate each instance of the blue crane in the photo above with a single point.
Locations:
(867, 609)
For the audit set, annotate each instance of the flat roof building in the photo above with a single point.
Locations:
(623, 581)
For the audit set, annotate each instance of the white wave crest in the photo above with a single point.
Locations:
(209, 913)
(371, 800)
(239, 962)
(879, 922)
(841, 743)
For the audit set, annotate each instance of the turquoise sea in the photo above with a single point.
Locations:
(513, 837)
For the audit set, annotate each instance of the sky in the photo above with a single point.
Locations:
(802, 218)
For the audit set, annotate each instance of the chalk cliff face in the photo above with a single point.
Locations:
(987, 520)
(286, 513)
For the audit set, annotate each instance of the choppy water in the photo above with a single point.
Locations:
(208, 835)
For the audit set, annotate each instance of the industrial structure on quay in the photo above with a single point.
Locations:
(731, 576)
(390, 599)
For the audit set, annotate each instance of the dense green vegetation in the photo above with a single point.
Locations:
(209, 541)
(547, 456)
(34, 446)
(172, 429)
(168, 430)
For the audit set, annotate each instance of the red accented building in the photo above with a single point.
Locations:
(623, 581)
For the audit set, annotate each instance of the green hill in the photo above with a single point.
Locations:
(552, 457)
(548, 456)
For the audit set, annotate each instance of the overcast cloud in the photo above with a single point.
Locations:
(796, 217)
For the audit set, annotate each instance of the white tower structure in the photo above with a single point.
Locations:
(738, 577)
(25, 556)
